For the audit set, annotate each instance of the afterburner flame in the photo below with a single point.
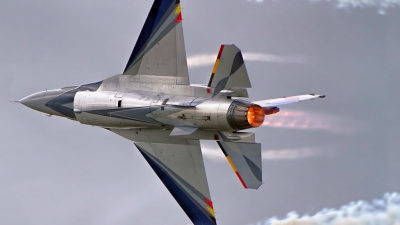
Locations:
(255, 116)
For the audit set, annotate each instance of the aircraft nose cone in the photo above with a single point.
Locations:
(35, 101)
(38, 101)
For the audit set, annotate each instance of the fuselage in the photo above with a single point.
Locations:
(116, 103)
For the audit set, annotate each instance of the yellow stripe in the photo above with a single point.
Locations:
(231, 163)
(215, 66)
(211, 211)
(178, 9)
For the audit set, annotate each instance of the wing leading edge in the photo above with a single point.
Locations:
(180, 167)
(160, 48)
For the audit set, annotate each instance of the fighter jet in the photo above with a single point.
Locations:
(153, 104)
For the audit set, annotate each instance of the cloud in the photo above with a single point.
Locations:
(380, 4)
(295, 119)
(209, 59)
(385, 211)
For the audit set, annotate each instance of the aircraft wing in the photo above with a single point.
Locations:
(160, 48)
(287, 100)
(180, 167)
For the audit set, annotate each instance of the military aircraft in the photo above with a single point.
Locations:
(154, 105)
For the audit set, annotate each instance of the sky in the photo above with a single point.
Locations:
(319, 154)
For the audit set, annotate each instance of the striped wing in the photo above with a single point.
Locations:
(180, 167)
(160, 48)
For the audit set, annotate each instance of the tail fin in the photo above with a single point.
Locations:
(245, 160)
(229, 70)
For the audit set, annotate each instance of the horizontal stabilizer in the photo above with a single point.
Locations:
(229, 70)
(245, 160)
(287, 100)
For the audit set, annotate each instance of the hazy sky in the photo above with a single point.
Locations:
(317, 154)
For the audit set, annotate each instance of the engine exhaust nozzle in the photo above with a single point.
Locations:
(244, 115)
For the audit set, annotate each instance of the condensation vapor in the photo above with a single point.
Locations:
(209, 59)
(213, 152)
(385, 211)
(382, 5)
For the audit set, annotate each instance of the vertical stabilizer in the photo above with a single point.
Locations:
(245, 160)
(229, 70)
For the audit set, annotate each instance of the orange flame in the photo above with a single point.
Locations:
(255, 116)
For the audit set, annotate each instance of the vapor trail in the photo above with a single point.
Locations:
(213, 152)
(380, 4)
(209, 59)
(385, 211)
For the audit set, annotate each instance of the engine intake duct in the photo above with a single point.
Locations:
(244, 115)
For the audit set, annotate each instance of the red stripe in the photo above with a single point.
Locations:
(209, 203)
(220, 51)
(179, 18)
(241, 180)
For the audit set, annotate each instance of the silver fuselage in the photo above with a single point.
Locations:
(140, 102)
(113, 109)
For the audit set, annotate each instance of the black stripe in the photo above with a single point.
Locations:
(211, 79)
(237, 62)
(222, 148)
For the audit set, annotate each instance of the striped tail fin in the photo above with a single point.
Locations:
(245, 160)
(229, 70)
